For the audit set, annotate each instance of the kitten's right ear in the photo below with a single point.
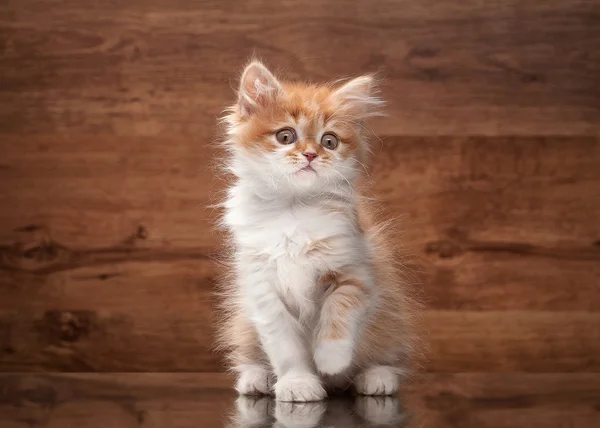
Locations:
(358, 98)
(258, 87)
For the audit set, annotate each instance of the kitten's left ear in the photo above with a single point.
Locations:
(258, 87)
(358, 97)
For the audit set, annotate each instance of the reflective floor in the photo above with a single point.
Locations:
(207, 400)
(337, 412)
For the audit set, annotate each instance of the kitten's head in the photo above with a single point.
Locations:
(295, 137)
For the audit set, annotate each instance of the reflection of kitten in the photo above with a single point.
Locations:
(347, 412)
(314, 297)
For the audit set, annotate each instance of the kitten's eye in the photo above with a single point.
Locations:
(286, 136)
(330, 141)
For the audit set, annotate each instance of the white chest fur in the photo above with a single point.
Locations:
(292, 243)
(289, 228)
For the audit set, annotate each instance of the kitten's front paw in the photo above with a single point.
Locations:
(253, 380)
(377, 380)
(299, 387)
(333, 356)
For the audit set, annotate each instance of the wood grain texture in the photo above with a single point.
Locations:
(141, 316)
(106, 251)
(142, 340)
(207, 400)
(525, 341)
(505, 400)
(503, 67)
(114, 400)
(489, 156)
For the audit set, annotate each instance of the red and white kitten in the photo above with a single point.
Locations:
(314, 299)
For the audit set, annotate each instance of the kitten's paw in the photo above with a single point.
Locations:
(299, 415)
(299, 387)
(333, 356)
(254, 380)
(377, 380)
(379, 410)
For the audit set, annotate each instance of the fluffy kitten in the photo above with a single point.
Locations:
(314, 299)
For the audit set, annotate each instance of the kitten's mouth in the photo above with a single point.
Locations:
(307, 168)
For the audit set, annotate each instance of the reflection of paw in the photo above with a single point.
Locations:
(377, 380)
(333, 356)
(379, 410)
(341, 414)
(251, 411)
(299, 415)
(253, 380)
(299, 387)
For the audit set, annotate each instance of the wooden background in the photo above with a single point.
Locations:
(490, 155)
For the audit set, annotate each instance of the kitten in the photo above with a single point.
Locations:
(314, 299)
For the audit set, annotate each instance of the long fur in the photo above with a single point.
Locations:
(313, 295)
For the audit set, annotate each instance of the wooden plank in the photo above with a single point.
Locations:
(481, 400)
(497, 341)
(137, 339)
(476, 281)
(539, 191)
(509, 67)
(132, 316)
(504, 278)
(96, 192)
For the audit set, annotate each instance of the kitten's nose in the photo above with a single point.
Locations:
(309, 155)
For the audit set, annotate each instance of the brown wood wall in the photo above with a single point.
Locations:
(490, 155)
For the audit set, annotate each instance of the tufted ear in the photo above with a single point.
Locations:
(358, 97)
(258, 87)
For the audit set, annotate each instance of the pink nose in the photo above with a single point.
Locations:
(309, 155)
